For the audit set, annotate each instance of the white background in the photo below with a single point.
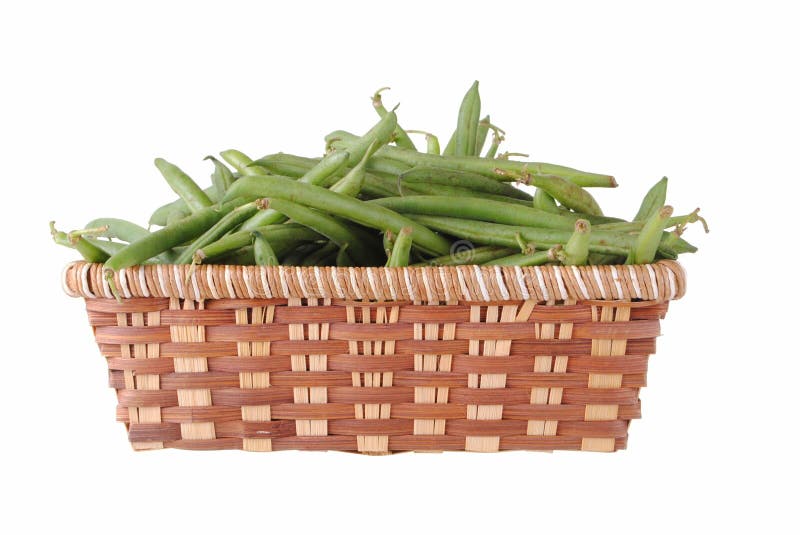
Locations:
(704, 93)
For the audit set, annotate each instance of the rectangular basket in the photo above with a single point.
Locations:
(378, 360)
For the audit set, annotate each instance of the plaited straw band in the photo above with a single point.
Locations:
(661, 281)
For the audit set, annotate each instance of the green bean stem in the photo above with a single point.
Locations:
(483, 132)
(89, 251)
(432, 142)
(183, 185)
(400, 136)
(363, 213)
(388, 242)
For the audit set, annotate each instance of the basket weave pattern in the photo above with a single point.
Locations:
(378, 360)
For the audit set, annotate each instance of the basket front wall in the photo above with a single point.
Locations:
(252, 358)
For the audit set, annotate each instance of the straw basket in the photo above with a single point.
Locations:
(378, 360)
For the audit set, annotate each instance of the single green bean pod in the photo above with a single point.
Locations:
(222, 177)
(644, 251)
(536, 258)
(468, 117)
(567, 193)
(324, 256)
(178, 207)
(463, 179)
(352, 183)
(653, 201)
(576, 251)
(182, 184)
(242, 162)
(469, 255)
(545, 202)
(401, 249)
(432, 142)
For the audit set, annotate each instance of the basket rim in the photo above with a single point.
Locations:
(661, 281)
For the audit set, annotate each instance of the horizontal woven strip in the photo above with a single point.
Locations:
(661, 281)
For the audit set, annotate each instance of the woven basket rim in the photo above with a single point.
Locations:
(661, 281)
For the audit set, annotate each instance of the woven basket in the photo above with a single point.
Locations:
(378, 360)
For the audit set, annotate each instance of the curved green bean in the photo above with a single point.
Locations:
(545, 202)
(538, 258)
(241, 162)
(183, 185)
(280, 237)
(231, 220)
(644, 251)
(162, 213)
(477, 255)
(89, 251)
(576, 251)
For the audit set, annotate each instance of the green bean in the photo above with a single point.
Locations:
(650, 237)
(520, 259)
(241, 162)
(333, 229)
(118, 228)
(381, 133)
(400, 136)
(107, 246)
(506, 235)
(230, 221)
(476, 208)
(160, 216)
(388, 242)
(89, 251)
(286, 164)
(278, 236)
(497, 169)
(450, 148)
(491, 152)
(545, 202)
(326, 167)
(598, 259)
(653, 201)
(567, 193)
(576, 251)
(401, 248)
(432, 142)
(363, 213)
(183, 185)
(168, 237)
(468, 117)
(222, 178)
(342, 258)
(483, 132)
(175, 216)
(476, 255)
(352, 183)
(463, 179)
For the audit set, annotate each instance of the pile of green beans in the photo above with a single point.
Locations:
(375, 199)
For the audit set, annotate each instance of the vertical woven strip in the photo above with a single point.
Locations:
(141, 415)
(191, 397)
(605, 347)
(251, 380)
(318, 363)
(444, 365)
(559, 366)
